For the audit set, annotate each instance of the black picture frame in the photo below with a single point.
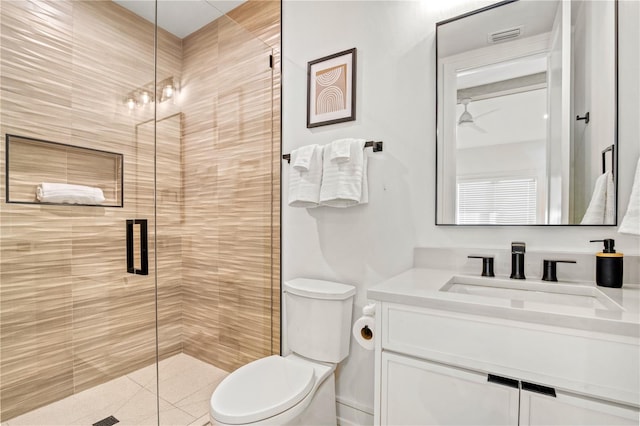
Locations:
(336, 103)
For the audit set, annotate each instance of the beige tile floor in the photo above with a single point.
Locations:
(185, 385)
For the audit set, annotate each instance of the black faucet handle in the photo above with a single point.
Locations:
(487, 265)
(549, 268)
(518, 247)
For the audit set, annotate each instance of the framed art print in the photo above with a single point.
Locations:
(331, 89)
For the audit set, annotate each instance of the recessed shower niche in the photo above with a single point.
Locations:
(30, 162)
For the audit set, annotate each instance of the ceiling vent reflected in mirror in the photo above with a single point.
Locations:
(504, 35)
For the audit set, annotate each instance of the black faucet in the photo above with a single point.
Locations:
(517, 260)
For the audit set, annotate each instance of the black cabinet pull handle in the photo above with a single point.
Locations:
(545, 390)
(144, 247)
(512, 383)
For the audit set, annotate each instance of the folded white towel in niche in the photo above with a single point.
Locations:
(340, 150)
(601, 210)
(344, 183)
(304, 184)
(631, 220)
(65, 193)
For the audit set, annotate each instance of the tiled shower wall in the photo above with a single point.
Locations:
(230, 271)
(70, 315)
(263, 20)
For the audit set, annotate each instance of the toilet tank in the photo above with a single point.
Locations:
(318, 318)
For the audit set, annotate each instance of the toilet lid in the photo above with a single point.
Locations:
(261, 389)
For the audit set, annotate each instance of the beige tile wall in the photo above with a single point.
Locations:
(70, 315)
(263, 19)
(232, 151)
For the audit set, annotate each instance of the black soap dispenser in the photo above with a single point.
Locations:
(608, 265)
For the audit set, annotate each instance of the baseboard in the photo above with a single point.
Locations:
(351, 413)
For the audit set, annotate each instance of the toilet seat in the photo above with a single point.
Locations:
(262, 389)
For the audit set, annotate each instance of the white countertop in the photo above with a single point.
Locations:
(422, 287)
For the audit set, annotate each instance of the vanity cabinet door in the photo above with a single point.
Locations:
(417, 392)
(565, 409)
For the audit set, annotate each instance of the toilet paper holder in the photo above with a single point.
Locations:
(369, 310)
(366, 333)
(364, 328)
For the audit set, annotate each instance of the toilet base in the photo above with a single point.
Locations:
(322, 409)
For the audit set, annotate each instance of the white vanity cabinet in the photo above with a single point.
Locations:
(565, 409)
(437, 366)
(417, 392)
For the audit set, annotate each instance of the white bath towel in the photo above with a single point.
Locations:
(64, 193)
(340, 150)
(631, 220)
(602, 208)
(344, 183)
(303, 157)
(304, 185)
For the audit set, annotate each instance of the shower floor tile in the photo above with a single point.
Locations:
(186, 384)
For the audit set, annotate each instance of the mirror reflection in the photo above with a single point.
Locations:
(527, 114)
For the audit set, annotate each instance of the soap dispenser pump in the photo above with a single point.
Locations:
(608, 265)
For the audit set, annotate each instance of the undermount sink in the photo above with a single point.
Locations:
(533, 292)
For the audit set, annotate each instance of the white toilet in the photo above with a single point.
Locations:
(298, 389)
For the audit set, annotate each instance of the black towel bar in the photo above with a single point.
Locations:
(376, 145)
(611, 148)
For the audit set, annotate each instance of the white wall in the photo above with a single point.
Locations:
(502, 160)
(364, 245)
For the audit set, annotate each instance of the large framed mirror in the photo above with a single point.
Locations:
(527, 114)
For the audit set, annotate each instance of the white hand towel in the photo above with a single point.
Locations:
(344, 183)
(631, 220)
(601, 209)
(340, 150)
(64, 193)
(304, 185)
(303, 157)
(610, 201)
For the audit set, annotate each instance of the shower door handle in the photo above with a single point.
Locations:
(140, 265)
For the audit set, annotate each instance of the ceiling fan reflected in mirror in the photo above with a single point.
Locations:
(465, 117)
(467, 120)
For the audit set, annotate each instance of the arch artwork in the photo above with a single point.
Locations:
(331, 89)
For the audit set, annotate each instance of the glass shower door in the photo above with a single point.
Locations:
(75, 326)
(217, 199)
(178, 132)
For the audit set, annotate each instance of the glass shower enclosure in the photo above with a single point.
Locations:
(139, 230)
